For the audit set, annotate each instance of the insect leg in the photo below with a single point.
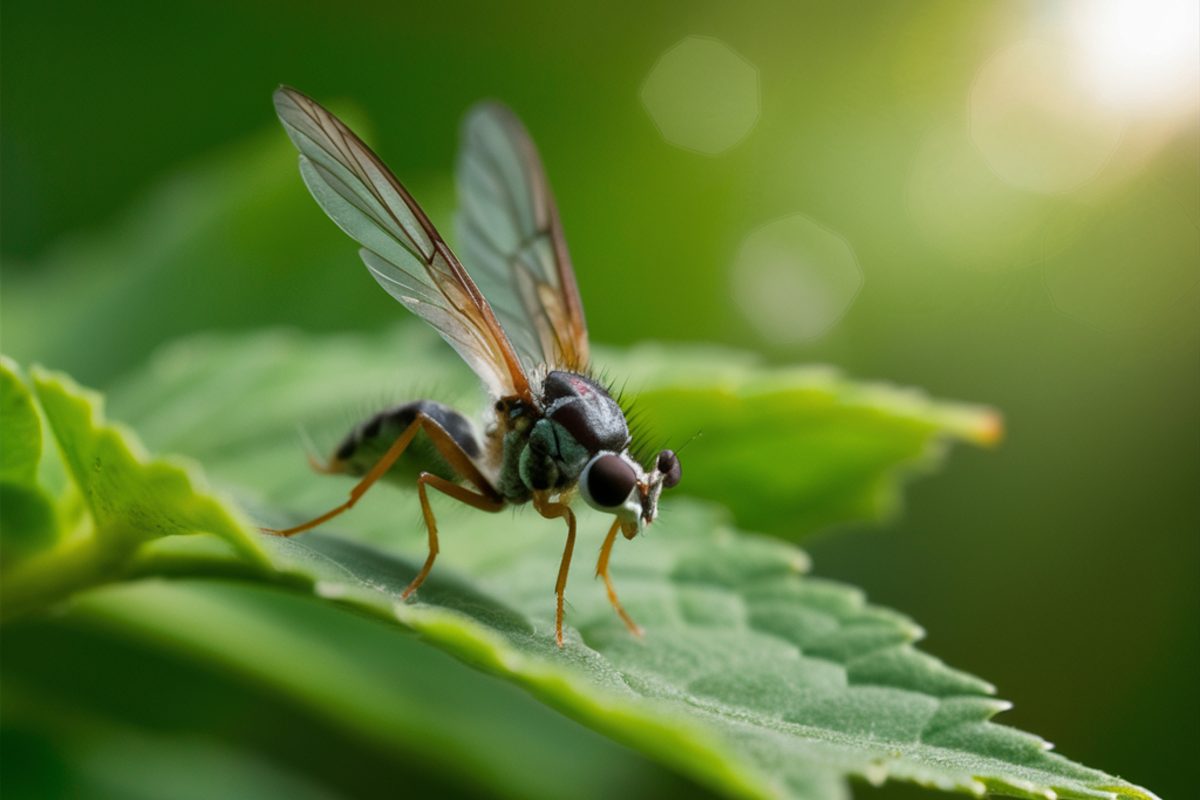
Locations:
(602, 572)
(549, 511)
(459, 493)
(446, 445)
(375, 473)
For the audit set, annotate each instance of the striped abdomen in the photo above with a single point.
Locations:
(367, 443)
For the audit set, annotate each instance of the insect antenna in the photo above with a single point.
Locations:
(699, 432)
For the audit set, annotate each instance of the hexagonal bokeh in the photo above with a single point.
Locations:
(794, 279)
(702, 95)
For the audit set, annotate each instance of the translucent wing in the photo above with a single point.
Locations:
(510, 234)
(400, 246)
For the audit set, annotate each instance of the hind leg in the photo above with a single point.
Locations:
(375, 473)
(452, 448)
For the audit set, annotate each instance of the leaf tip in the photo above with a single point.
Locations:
(990, 430)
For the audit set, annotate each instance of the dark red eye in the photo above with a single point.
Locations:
(668, 465)
(610, 480)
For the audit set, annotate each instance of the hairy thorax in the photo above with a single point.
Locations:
(546, 449)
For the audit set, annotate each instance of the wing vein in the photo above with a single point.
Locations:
(365, 199)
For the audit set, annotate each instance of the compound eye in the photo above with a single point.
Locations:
(609, 481)
(668, 465)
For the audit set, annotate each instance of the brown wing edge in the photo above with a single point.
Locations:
(483, 316)
(576, 355)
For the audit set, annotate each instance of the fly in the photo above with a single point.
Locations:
(554, 431)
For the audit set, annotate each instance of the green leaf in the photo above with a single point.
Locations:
(22, 430)
(27, 520)
(752, 677)
(335, 699)
(130, 499)
(847, 446)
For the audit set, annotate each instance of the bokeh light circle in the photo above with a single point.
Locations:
(794, 279)
(702, 95)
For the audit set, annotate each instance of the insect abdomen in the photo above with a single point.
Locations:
(367, 443)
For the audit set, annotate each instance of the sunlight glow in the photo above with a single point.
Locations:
(1034, 126)
(1141, 55)
(1096, 78)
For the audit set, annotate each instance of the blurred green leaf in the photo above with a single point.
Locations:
(790, 449)
(130, 496)
(291, 691)
(130, 499)
(22, 429)
(27, 520)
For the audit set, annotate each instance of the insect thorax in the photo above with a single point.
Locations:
(579, 418)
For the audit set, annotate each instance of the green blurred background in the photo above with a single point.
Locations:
(999, 202)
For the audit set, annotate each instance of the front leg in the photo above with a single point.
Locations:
(602, 572)
(550, 510)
